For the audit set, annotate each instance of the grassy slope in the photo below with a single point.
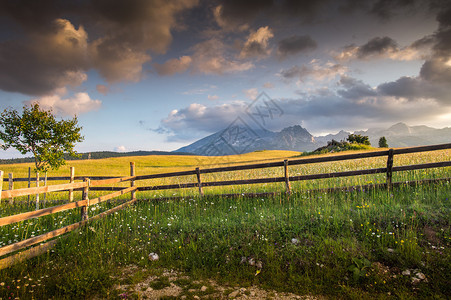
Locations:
(150, 164)
(209, 237)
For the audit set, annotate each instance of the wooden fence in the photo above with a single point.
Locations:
(83, 204)
(96, 183)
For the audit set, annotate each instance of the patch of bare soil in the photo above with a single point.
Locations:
(173, 284)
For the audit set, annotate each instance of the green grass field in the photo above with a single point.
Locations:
(343, 244)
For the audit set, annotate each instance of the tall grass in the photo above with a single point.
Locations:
(306, 243)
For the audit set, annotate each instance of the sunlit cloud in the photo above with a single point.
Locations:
(173, 66)
(77, 104)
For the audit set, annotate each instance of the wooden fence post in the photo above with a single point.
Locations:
(1, 185)
(84, 209)
(132, 182)
(201, 193)
(37, 195)
(287, 177)
(29, 183)
(71, 180)
(45, 194)
(389, 169)
(11, 186)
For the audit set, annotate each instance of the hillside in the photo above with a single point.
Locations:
(96, 155)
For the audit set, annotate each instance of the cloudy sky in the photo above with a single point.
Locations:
(157, 74)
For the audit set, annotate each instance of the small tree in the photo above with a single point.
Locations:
(358, 139)
(37, 131)
(383, 142)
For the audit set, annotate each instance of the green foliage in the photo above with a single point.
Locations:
(359, 268)
(383, 142)
(334, 146)
(37, 131)
(358, 139)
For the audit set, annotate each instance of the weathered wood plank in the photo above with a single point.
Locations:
(132, 182)
(40, 238)
(112, 180)
(422, 166)
(43, 189)
(245, 181)
(41, 212)
(85, 196)
(338, 174)
(389, 169)
(71, 180)
(106, 188)
(65, 178)
(242, 167)
(422, 148)
(123, 191)
(168, 187)
(199, 182)
(287, 177)
(46, 236)
(27, 254)
(1, 186)
(11, 185)
(165, 175)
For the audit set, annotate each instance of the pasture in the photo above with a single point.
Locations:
(374, 242)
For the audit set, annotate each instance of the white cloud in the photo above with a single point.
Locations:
(121, 148)
(210, 57)
(268, 85)
(314, 70)
(78, 104)
(213, 97)
(198, 119)
(257, 43)
(251, 93)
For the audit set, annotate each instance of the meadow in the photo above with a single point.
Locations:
(370, 243)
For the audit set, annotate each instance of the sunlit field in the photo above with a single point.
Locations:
(371, 243)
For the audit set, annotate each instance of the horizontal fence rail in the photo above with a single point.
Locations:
(83, 204)
(100, 183)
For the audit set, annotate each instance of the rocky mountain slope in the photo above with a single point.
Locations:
(239, 138)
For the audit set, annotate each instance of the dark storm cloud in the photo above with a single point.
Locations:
(426, 41)
(44, 61)
(435, 74)
(56, 42)
(295, 44)
(354, 89)
(376, 46)
(238, 12)
(35, 15)
(385, 9)
(351, 6)
(412, 88)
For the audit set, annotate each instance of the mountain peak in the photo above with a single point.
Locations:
(238, 139)
(400, 129)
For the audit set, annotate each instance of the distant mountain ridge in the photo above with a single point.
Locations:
(239, 139)
(96, 155)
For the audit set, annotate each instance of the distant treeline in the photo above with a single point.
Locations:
(95, 155)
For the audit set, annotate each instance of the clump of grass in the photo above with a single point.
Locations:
(161, 283)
